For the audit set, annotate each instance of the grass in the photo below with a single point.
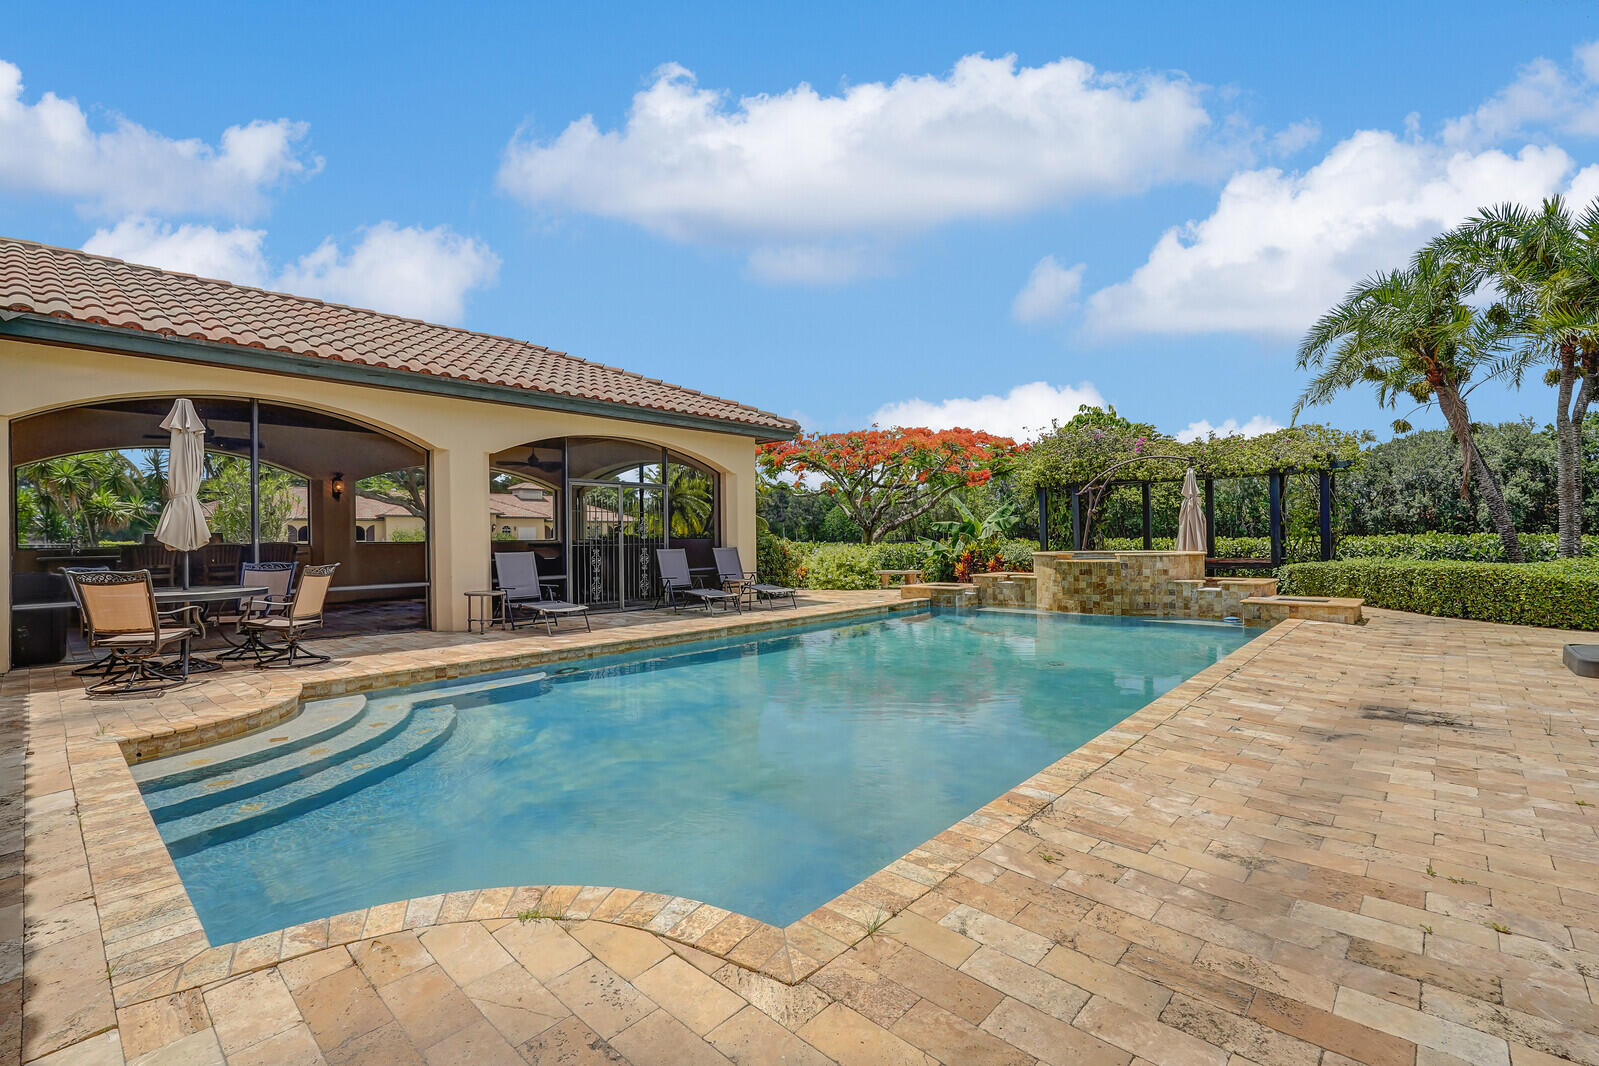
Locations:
(877, 922)
(534, 914)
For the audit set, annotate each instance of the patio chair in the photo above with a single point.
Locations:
(278, 579)
(730, 568)
(221, 561)
(518, 577)
(289, 619)
(122, 617)
(95, 666)
(677, 582)
(156, 558)
(277, 551)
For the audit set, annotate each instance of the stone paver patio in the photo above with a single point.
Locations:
(1373, 844)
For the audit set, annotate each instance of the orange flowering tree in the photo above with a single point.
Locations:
(884, 478)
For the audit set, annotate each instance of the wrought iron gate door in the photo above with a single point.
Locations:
(615, 531)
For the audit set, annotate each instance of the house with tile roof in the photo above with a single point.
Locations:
(470, 436)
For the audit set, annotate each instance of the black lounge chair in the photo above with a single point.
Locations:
(677, 584)
(730, 568)
(518, 577)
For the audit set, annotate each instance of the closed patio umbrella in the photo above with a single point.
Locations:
(182, 527)
(1191, 519)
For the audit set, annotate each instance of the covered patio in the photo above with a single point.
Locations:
(406, 452)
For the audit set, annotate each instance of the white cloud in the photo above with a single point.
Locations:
(1229, 428)
(422, 273)
(1021, 413)
(231, 255)
(1295, 136)
(1544, 96)
(814, 264)
(425, 273)
(1050, 291)
(989, 139)
(49, 147)
(1281, 247)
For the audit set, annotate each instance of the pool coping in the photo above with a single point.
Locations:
(155, 945)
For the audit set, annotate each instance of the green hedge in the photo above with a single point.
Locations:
(811, 565)
(1561, 595)
(1467, 547)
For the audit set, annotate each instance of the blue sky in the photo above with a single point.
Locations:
(1144, 203)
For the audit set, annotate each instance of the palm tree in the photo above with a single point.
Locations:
(91, 491)
(1545, 264)
(690, 493)
(1410, 333)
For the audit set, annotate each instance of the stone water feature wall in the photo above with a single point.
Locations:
(1156, 584)
(1153, 584)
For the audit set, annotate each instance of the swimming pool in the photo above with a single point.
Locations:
(765, 774)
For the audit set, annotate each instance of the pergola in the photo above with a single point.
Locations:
(1277, 488)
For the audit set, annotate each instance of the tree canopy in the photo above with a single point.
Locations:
(1080, 450)
(884, 478)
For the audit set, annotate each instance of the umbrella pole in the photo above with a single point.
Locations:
(186, 569)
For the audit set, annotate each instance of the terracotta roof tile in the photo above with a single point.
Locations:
(58, 282)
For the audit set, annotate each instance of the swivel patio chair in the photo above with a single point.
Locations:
(290, 619)
(123, 618)
(677, 584)
(518, 576)
(730, 569)
(278, 579)
(95, 666)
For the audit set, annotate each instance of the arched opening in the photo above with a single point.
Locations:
(283, 483)
(594, 509)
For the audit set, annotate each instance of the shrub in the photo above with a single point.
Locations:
(776, 560)
(1469, 547)
(1018, 554)
(1562, 594)
(842, 566)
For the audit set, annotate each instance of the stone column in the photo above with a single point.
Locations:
(11, 532)
(458, 544)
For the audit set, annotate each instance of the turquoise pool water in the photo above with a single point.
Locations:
(765, 775)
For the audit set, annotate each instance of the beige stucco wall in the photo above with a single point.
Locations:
(460, 434)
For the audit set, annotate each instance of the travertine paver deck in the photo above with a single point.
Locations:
(1374, 844)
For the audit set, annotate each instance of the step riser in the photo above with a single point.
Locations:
(171, 812)
(154, 786)
(191, 843)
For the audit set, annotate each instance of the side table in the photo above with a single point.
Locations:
(480, 609)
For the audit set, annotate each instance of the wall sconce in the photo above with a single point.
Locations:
(338, 485)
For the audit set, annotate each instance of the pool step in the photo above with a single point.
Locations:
(425, 729)
(319, 722)
(359, 735)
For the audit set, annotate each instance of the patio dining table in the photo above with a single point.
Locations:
(204, 596)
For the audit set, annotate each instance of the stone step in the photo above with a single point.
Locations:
(425, 729)
(315, 724)
(369, 730)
